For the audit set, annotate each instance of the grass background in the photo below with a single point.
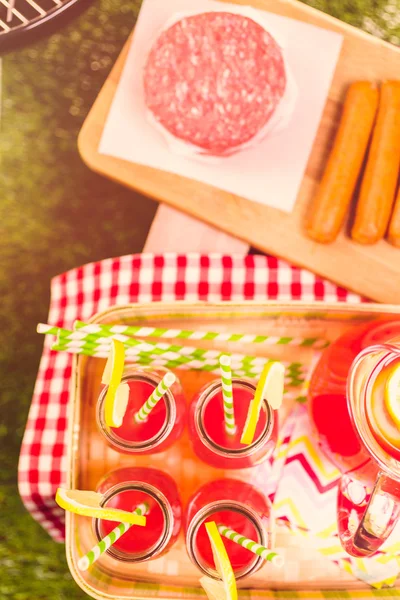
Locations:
(54, 215)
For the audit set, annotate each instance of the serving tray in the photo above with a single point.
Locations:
(173, 576)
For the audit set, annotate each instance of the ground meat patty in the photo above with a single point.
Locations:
(214, 79)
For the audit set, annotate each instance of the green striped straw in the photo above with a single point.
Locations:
(170, 356)
(147, 359)
(200, 360)
(94, 554)
(163, 349)
(92, 340)
(227, 394)
(245, 542)
(164, 385)
(173, 352)
(187, 334)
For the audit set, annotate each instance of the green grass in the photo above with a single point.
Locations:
(32, 566)
(54, 215)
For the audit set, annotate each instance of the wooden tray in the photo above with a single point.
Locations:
(372, 271)
(90, 458)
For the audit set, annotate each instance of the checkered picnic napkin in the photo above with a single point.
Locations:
(82, 292)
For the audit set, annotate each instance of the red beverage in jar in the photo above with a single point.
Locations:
(355, 421)
(128, 488)
(237, 505)
(207, 427)
(163, 426)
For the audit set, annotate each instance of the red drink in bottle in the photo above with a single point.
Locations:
(163, 426)
(351, 411)
(128, 488)
(237, 505)
(207, 427)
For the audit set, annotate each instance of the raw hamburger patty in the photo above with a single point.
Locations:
(214, 80)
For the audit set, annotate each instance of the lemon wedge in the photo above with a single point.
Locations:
(270, 388)
(222, 564)
(87, 504)
(112, 376)
(392, 394)
(120, 404)
(215, 590)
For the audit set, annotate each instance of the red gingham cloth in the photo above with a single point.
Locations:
(82, 292)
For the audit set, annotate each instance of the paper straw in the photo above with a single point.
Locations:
(227, 395)
(94, 554)
(94, 346)
(245, 542)
(164, 385)
(200, 360)
(187, 334)
(51, 329)
(173, 355)
(147, 359)
(174, 352)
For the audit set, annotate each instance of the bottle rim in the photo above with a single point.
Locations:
(207, 511)
(205, 397)
(159, 546)
(114, 439)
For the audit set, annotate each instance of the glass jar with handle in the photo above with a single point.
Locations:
(355, 407)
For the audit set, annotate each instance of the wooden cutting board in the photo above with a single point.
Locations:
(373, 271)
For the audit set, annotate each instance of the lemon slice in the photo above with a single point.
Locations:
(215, 590)
(116, 346)
(270, 388)
(88, 504)
(392, 394)
(120, 404)
(222, 562)
(383, 426)
(112, 376)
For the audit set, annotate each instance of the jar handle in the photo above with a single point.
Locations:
(366, 517)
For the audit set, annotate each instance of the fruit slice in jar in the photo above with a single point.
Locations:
(88, 504)
(270, 387)
(384, 428)
(222, 562)
(392, 394)
(215, 590)
(117, 395)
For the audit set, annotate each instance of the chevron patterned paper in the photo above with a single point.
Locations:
(305, 502)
